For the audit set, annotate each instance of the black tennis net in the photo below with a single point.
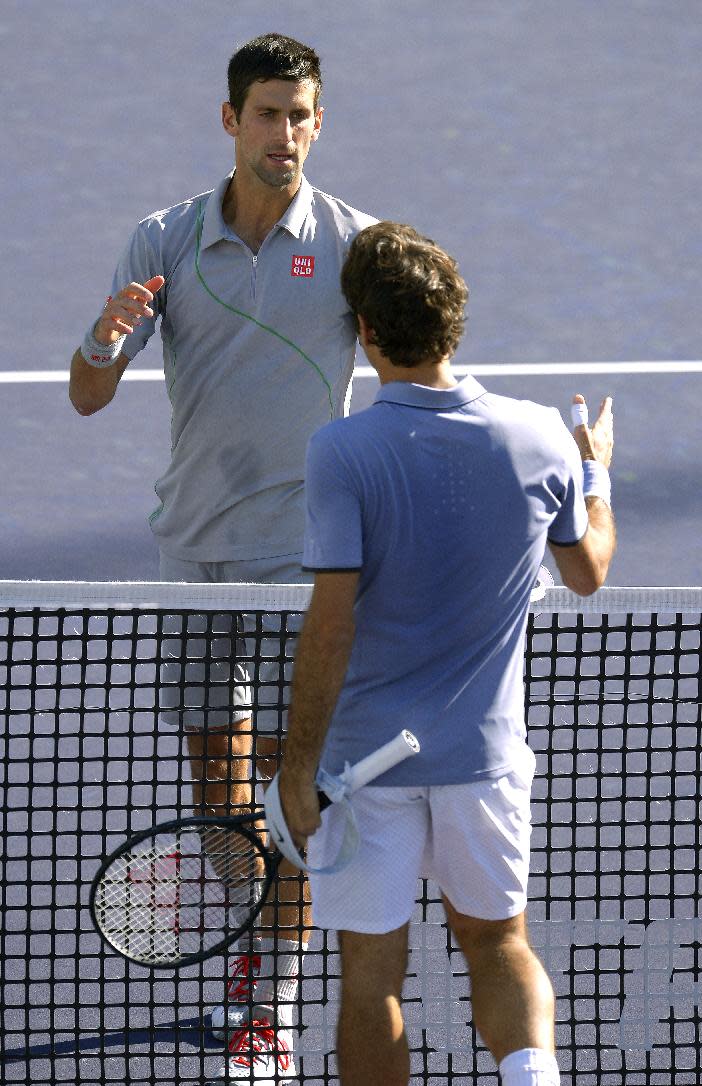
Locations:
(97, 684)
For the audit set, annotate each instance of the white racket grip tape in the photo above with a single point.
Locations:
(337, 789)
(380, 761)
(578, 413)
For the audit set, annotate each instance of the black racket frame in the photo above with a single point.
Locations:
(238, 823)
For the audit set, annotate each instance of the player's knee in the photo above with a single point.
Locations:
(478, 936)
(373, 966)
(213, 744)
(268, 754)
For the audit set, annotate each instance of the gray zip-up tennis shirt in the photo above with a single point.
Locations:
(246, 392)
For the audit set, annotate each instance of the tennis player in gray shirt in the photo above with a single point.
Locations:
(258, 348)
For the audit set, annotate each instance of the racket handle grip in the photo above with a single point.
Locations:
(324, 800)
(353, 778)
(373, 765)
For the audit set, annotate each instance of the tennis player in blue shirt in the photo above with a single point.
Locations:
(427, 519)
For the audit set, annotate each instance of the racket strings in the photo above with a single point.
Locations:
(168, 900)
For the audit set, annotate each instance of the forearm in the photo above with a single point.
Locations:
(320, 666)
(602, 536)
(90, 389)
(584, 566)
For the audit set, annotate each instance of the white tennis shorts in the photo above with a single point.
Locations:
(471, 839)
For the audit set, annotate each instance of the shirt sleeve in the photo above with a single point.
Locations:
(571, 520)
(138, 263)
(333, 519)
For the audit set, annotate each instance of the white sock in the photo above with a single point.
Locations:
(529, 1067)
(238, 987)
(281, 962)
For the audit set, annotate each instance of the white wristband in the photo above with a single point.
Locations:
(596, 481)
(98, 354)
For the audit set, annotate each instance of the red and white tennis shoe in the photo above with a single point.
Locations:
(259, 1053)
(240, 988)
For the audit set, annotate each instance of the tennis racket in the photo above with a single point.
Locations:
(182, 891)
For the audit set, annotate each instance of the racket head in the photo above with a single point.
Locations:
(182, 891)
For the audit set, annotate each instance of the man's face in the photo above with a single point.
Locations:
(278, 123)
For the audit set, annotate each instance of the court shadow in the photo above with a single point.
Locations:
(188, 1031)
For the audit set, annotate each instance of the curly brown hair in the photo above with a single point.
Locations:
(408, 291)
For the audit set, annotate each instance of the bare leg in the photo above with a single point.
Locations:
(371, 1041)
(288, 910)
(513, 1002)
(222, 769)
(223, 784)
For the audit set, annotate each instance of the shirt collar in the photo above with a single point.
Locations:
(215, 229)
(295, 217)
(438, 399)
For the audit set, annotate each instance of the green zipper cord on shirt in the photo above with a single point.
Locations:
(159, 508)
(248, 316)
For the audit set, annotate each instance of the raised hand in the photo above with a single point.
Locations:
(596, 443)
(126, 310)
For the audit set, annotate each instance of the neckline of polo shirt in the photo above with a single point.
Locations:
(411, 395)
(215, 229)
(294, 218)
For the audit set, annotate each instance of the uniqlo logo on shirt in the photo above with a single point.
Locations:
(302, 266)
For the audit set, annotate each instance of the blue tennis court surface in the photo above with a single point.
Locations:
(552, 147)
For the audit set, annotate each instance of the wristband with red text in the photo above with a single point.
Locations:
(100, 355)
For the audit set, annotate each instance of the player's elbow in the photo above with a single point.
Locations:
(83, 408)
(583, 568)
(85, 403)
(585, 583)
(587, 577)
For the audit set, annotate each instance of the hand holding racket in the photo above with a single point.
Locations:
(181, 891)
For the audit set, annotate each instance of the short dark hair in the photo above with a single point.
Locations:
(272, 56)
(409, 292)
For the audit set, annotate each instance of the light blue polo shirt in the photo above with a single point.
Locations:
(246, 392)
(444, 499)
